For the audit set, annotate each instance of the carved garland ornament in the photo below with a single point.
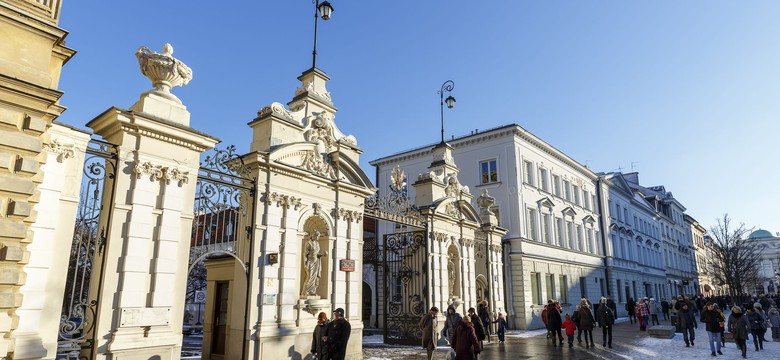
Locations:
(348, 215)
(316, 163)
(63, 151)
(159, 172)
(283, 200)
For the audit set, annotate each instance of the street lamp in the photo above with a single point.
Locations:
(447, 86)
(323, 9)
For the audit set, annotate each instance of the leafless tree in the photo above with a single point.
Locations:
(736, 259)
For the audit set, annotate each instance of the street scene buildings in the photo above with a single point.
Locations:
(104, 225)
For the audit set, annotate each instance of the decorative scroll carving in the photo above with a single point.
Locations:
(161, 173)
(348, 215)
(283, 200)
(276, 109)
(309, 87)
(495, 248)
(452, 209)
(396, 205)
(317, 164)
(63, 151)
(181, 177)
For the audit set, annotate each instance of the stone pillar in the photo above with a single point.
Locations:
(39, 315)
(142, 291)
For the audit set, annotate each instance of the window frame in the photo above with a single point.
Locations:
(486, 178)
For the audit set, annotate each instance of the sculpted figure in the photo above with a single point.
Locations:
(312, 263)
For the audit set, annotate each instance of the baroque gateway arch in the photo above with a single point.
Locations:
(278, 230)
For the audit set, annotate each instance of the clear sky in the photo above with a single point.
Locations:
(686, 91)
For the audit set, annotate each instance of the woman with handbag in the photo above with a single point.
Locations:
(739, 326)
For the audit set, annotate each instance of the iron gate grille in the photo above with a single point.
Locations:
(405, 289)
(76, 339)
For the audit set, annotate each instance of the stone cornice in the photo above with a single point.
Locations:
(46, 97)
(30, 14)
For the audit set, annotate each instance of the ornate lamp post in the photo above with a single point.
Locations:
(323, 9)
(447, 86)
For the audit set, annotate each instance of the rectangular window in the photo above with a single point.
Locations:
(564, 289)
(593, 198)
(550, 282)
(591, 244)
(620, 294)
(533, 227)
(489, 171)
(586, 199)
(544, 180)
(583, 287)
(557, 185)
(536, 293)
(576, 191)
(529, 173)
(603, 286)
(570, 235)
(547, 228)
(560, 232)
(580, 244)
(567, 190)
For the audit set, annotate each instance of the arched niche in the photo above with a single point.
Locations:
(314, 260)
(453, 271)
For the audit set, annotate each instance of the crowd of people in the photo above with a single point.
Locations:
(465, 334)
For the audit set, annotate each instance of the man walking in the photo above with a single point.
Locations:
(429, 325)
(606, 319)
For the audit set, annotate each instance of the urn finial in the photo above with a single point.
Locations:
(164, 70)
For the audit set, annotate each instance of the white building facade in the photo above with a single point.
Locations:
(546, 201)
(634, 252)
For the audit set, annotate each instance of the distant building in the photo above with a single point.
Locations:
(769, 246)
(702, 256)
(635, 262)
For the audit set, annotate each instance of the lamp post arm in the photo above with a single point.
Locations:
(447, 86)
(314, 52)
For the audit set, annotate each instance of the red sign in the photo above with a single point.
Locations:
(347, 265)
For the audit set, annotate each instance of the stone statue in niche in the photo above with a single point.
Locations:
(312, 263)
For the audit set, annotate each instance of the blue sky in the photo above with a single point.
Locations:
(687, 91)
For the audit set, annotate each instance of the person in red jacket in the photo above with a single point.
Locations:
(465, 341)
(569, 326)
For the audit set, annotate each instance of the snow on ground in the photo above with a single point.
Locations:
(654, 348)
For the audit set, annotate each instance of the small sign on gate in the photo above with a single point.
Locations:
(347, 265)
(200, 297)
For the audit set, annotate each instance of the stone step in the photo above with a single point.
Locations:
(661, 331)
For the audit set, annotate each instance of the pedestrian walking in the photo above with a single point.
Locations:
(484, 315)
(554, 324)
(759, 309)
(631, 309)
(757, 327)
(576, 319)
(319, 348)
(712, 321)
(450, 323)
(774, 321)
(641, 313)
(478, 328)
(665, 308)
(587, 323)
(569, 327)
(501, 327)
(686, 323)
(544, 317)
(653, 309)
(739, 327)
(611, 304)
(465, 340)
(606, 318)
(722, 324)
(338, 332)
(429, 324)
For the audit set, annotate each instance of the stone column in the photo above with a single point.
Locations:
(142, 289)
(39, 315)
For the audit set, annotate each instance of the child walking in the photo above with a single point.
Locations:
(569, 326)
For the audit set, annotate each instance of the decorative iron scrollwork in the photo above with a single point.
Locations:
(396, 205)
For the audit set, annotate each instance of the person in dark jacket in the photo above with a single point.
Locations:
(606, 318)
(711, 319)
(665, 308)
(451, 322)
(338, 335)
(318, 346)
(631, 308)
(611, 304)
(554, 323)
(465, 340)
(429, 325)
(756, 320)
(501, 324)
(739, 326)
(484, 315)
(686, 322)
(587, 322)
(576, 319)
(478, 328)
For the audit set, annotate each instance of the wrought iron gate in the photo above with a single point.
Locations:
(404, 277)
(404, 262)
(77, 321)
(223, 221)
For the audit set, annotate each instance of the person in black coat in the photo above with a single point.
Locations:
(665, 308)
(587, 323)
(338, 335)
(631, 308)
(554, 323)
(740, 327)
(611, 304)
(318, 346)
(606, 319)
(484, 316)
(686, 322)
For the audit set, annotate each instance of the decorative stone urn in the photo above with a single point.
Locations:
(164, 70)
